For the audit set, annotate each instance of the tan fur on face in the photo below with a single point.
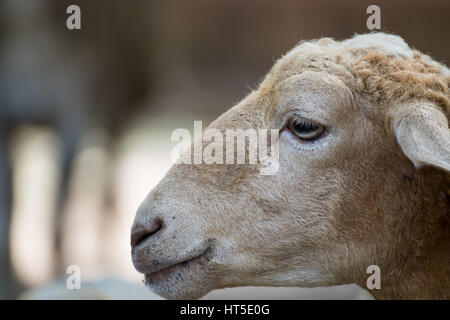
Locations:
(346, 201)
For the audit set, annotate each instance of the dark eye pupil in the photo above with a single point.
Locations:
(306, 130)
(305, 127)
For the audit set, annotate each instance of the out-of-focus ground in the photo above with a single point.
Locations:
(119, 87)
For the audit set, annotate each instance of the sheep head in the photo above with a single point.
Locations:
(363, 154)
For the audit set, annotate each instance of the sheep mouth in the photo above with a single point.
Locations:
(180, 269)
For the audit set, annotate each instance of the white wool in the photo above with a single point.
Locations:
(387, 43)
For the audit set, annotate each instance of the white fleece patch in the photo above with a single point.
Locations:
(388, 43)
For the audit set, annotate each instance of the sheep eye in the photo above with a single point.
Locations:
(306, 130)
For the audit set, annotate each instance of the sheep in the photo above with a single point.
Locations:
(363, 179)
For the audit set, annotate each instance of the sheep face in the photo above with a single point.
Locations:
(327, 214)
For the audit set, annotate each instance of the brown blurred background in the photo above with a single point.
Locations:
(86, 115)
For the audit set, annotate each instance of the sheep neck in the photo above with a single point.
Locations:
(427, 276)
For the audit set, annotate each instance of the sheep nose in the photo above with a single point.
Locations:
(140, 232)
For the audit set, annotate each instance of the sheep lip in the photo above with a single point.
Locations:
(168, 268)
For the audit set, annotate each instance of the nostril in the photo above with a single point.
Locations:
(141, 232)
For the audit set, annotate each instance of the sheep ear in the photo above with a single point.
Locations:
(423, 134)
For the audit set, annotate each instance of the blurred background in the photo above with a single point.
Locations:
(86, 115)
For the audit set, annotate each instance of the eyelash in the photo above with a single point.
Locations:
(304, 122)
(306, 131)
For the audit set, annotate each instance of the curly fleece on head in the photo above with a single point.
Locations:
(380, 65)
(387, 69)
(388, 77)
